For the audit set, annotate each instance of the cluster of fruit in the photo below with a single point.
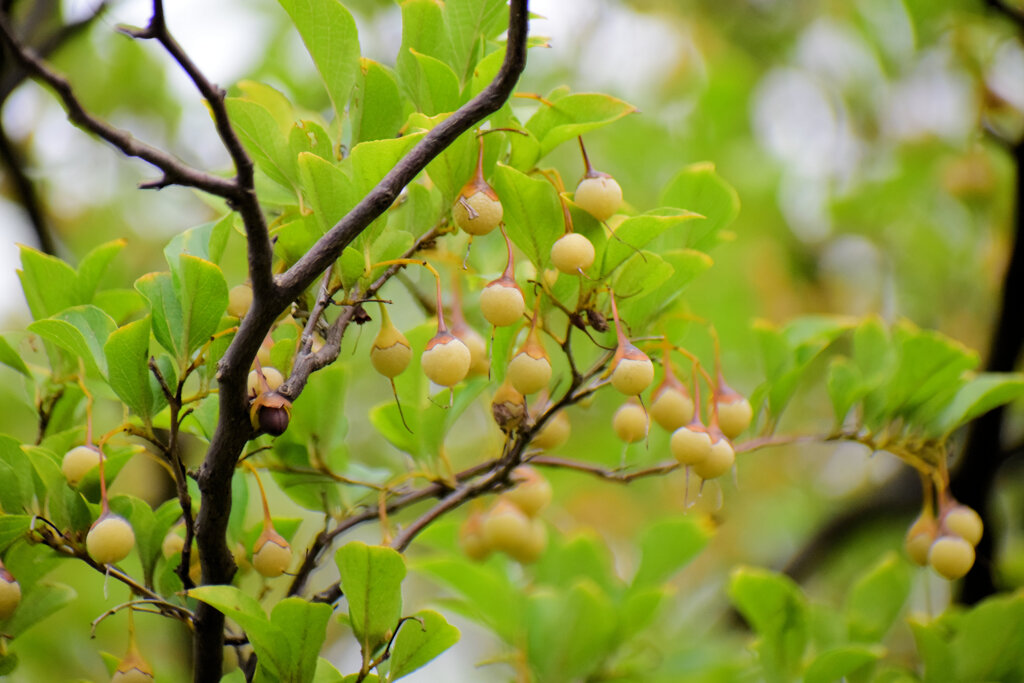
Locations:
(947, 542)
(511, 525)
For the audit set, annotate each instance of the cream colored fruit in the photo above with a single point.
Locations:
(528, 374)
(554, 433)
(690, 446)
(446, 360)
(479, 363)
(632, 375)
(951, 556)
(274, 380)
(533, 544)
(132, 675)
(630, 423)
(964, 522)
(272, 556)
(532, 494)
(734, 417)
(719, 461)
(471, 538)
(172, 545)
(239, 300)
(392, 360)
(505, 527)
(502, 304)
(572, 253)
(671, 408)
(110, 539)
(919, 539)
(77, 463)
(599, 196)
(477, 214)
(508, 407)
(10, 594)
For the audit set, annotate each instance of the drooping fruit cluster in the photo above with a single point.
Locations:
(512, 525)
(501, 301)
(947, 543)
(554, 434)
(529, 371)
(630, 422)
(10, 593)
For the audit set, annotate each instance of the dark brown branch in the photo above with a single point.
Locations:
(233, 427)
(984, 452)
(490, 99)
(25, 190)
(244, 198)
(174, 170)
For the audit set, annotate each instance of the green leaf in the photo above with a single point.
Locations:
(273, 100)
(424, 30)
(81, 330)
(264, 140)
(148, 537)
(876, 599)
(371, 161)
(127, 353)
(699, 188)
(934, 651)
(377, 110)
(11, 358)
(837, 664)
(574, 115)
(643, 273)
(13, 527)
(533, 213)
(94, 265)
(582, 555)
(488, 596)
(371, 578)
(430, 83)
(470, 23)
(666, 547)
(453, 167)
(844, 387)
(41, 601)
(329, 189)
(310, 137)
(206, 241)
(420, 639)
(326, 673)
(989, 641)
(303, 626)
(50, 285)
(331, 37)
(635, 233)
(927, 373)
(570, 633)
(978, 396)
(777, 611)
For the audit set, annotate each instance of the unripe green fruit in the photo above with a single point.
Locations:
(239, 300)
(690, 446)
(533, 492)
(476, 211)
(719, 461)
(77, 463)
(273, 376)
(964, 522)
(10, 594)
(446, 360)
(630, 423)
(671, 408)
(479, 363)
(533, 544)
(599, 196)
(230, 660)
(572, 253)
(501, 302)
(527, 373)
(632, 373)
(390, 353)
(505, 527)
(271, 554)
(919, 539)
(951, 556)
(554, 433)
(508, 407)
(734, 416)
(110, 539)
(471, 538)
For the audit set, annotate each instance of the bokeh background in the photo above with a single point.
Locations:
(869, 143)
